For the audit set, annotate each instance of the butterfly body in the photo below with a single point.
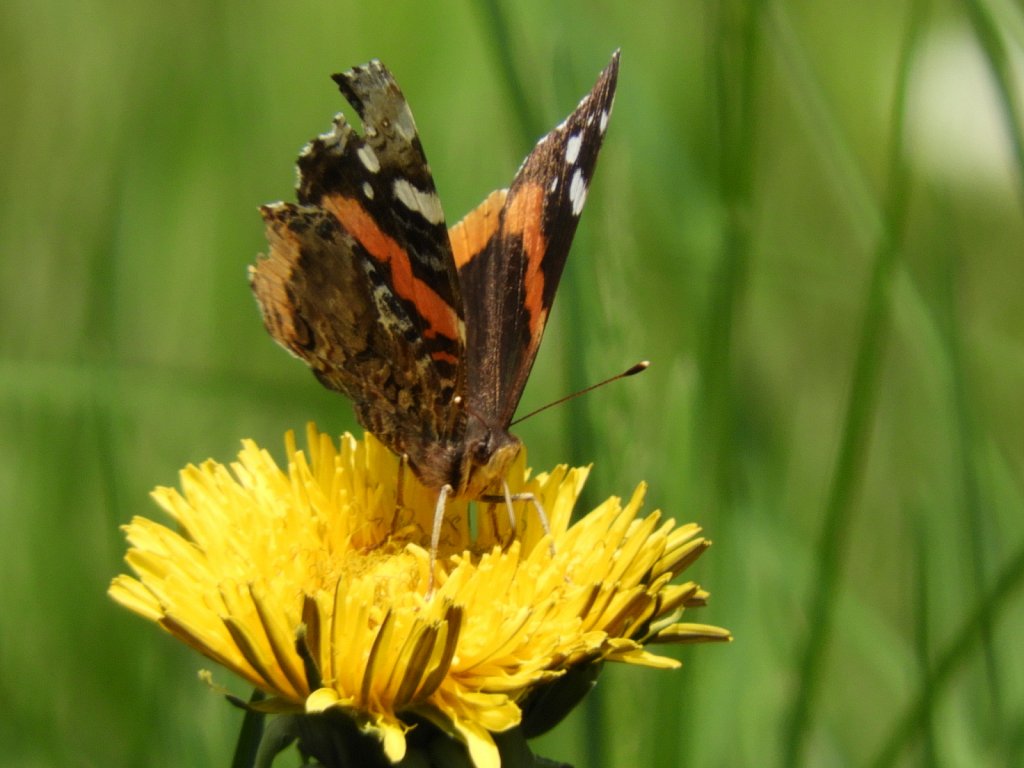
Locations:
(430, 332)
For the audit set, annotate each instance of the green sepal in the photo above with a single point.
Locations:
(549, 704)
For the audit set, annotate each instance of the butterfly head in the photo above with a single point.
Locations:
(487, 456)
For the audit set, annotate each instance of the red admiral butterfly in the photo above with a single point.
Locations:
(431, 331)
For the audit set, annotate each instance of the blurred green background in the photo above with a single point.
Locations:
(807, 215)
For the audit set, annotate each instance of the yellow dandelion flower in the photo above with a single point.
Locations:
(312, 583)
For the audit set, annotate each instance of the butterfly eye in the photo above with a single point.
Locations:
(482, 450)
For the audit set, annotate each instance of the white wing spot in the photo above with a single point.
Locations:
(424, 203)
(554, 184)
(572, 148)
(577, 192)
(404, 125)
(368, 158)
(604, 120)
(368, 190)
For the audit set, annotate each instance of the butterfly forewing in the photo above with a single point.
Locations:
(511, 250)
(380, 188)
(360, 282)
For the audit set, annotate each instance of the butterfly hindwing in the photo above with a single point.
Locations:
(321, 300)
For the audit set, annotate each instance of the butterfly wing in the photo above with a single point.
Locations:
(360, 281)
(511, 249)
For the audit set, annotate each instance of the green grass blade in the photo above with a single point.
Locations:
(735, 71)
(848, 471)
(991, 607)
(523, 110)
(974, 522)
(922, 636)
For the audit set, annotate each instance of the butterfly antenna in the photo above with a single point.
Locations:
(631, 371)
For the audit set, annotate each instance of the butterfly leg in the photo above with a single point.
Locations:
(509, 508)
(403, 461)
(435, 533)
(509, 497)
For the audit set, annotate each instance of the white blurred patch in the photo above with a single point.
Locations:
(956, 128)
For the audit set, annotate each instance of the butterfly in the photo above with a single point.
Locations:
(430, 331)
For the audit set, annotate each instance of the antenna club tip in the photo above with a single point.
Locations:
(643, 365)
